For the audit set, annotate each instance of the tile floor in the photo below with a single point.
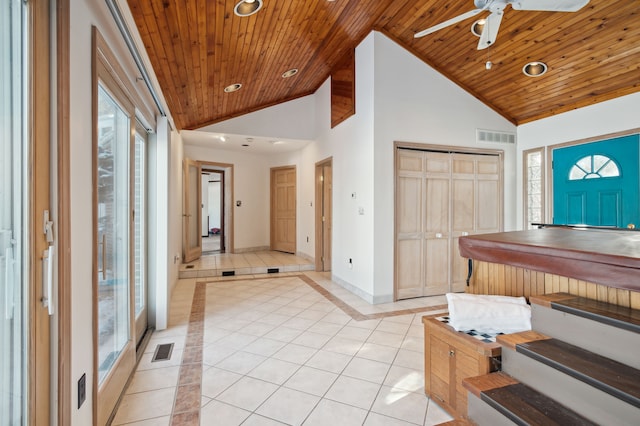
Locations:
(290, 348)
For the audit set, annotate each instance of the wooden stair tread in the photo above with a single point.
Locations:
(520, 403)
(511, 340)
(526, 406)
(477, 385)
(612, 377)
(603, 312)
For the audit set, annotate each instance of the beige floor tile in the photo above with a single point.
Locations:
(215, 381)
(386, 339)
(366, 369)
(436, 415)
(248, 393)
(405, 378)
(274, 371)
(288, 406)
(145, 405)
(311, 339)
(352, 391)
(343, 346)
(295, 353)
(158, 421)
(241, 362)
(375, 419)
(311, 380)
(377, 352)
(400, 404)
(332, 413)
(329, 361)
(219, 413)
(157, 378)
(410, 359)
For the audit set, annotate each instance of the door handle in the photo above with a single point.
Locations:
(631, 226)
(47, 279)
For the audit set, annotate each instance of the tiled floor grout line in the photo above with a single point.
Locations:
(186, 407)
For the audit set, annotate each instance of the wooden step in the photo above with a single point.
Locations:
(520, 403)
(603, 312)
(607, 375)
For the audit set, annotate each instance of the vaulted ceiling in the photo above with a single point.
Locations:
(199, 47)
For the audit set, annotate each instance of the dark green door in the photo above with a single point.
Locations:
(597, 183)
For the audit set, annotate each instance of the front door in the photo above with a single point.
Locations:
(597, 183)
(192, 242)
(283, 209)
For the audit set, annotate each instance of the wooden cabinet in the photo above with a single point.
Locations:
(449, 357)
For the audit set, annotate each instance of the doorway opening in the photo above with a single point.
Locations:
(213, 204)
(216, 201)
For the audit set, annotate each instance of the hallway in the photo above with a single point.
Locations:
(286, 348)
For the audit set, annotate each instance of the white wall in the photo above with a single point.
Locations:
(214, 189)
(601, 119)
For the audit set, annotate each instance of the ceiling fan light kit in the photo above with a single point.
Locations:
(489, 31)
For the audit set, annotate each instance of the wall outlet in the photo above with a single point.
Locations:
(82, 390)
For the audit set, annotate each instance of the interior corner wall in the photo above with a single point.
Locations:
(175, 210)
(250, 186)
(350, 144)
(600, 119)
(415, 103)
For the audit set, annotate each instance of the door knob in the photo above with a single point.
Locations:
(631, 226)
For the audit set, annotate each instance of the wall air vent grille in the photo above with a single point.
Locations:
(495, 136)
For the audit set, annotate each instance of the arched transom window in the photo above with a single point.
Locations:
(593, 167)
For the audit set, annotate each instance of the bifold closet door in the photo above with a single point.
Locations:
(441, 196)
(422, 258)
(476, 205)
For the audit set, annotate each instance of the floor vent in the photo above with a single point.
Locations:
(495, 136)
(163, 352)
(228, 273)
(273, 270)
(189, 266)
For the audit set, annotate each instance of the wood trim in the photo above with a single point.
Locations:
(551, 148)
(447, 148)
(106, 395)
(318, 212)
(39, 371)
(113, 67)
(190, 254)
(225, 166)
(64, 212)
(525, 184)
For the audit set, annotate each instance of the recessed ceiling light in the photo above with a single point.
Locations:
(232, 87)
(534, 69)
(477, 26)
(247, 7)
(222, 138)
(290, 73)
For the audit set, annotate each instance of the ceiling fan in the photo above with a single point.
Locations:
(496, 7)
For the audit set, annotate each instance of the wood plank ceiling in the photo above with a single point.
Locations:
(198, 47)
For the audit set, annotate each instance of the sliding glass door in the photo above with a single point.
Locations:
(14, 193)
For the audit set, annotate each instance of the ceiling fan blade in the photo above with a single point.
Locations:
(490, 30)
(445, 24)
(549, 5)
